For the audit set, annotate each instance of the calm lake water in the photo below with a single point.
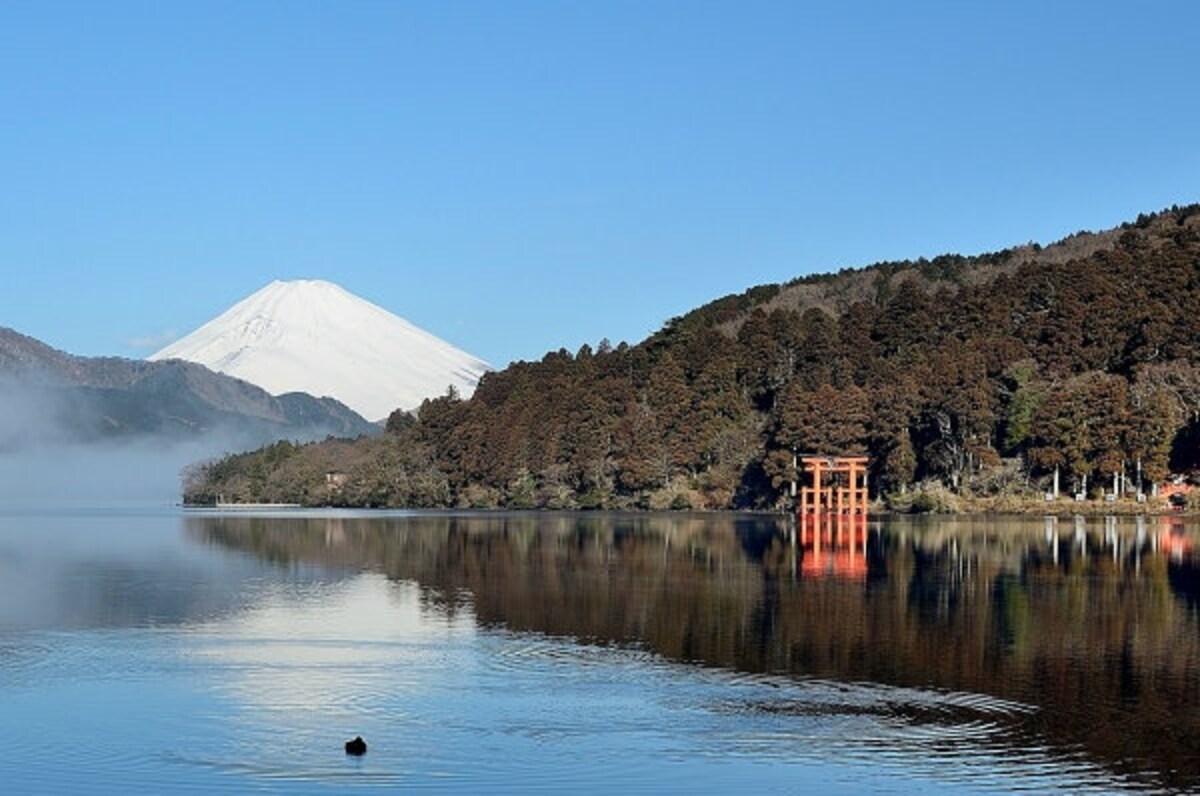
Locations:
(163, 651)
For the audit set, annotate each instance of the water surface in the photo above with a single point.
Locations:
(156, 651)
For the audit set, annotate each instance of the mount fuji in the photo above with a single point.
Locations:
(313, 336)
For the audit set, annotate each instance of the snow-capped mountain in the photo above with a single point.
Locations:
(312, 336)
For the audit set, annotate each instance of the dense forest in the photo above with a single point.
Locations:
(964, 376)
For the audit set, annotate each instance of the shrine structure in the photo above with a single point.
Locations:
(836, 485)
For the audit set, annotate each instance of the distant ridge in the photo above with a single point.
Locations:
(52, 396)
(313, 336)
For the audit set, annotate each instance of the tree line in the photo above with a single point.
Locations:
(983, 374)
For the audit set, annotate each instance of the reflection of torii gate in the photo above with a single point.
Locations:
(833, 544)
(838, 485)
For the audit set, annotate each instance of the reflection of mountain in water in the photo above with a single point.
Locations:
(1093, 623)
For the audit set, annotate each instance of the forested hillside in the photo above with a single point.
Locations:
(983, 374)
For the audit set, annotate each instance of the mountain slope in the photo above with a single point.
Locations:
(834, 293)
(312, 336)
(50, 395)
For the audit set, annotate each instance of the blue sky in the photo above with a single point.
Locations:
(522, 176)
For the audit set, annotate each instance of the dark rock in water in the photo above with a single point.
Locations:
(356, 747)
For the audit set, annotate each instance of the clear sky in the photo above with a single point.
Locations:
(522, 176)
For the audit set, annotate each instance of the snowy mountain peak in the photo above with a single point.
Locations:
(309, 335)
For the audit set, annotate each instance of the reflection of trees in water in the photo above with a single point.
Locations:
(1094, 623)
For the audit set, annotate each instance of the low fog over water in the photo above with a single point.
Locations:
(53, 452)
(142, 472)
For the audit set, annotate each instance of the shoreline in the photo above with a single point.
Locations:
(963, 507)
(1152, 507)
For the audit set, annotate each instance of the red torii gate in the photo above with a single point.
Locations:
(838, 485)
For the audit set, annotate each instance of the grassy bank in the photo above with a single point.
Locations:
(939, 500)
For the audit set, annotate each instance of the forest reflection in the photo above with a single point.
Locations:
(1095, 623)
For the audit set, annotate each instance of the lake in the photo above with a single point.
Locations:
(158, 650)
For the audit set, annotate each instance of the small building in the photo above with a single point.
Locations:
(1176, 491)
